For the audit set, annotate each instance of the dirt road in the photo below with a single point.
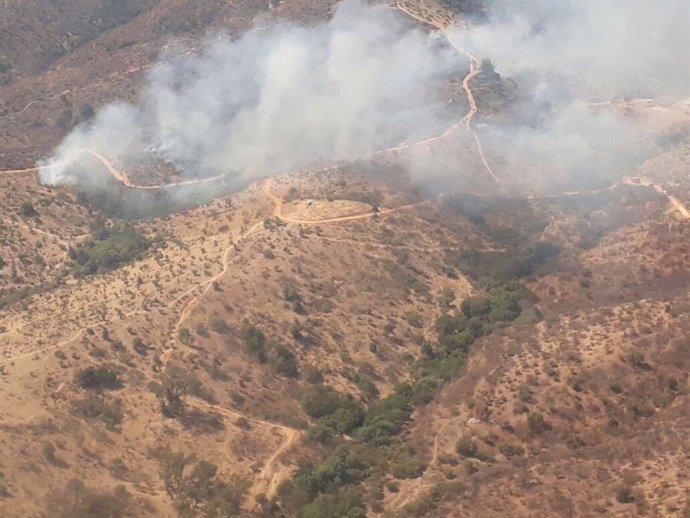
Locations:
(474, 71)
(278, 210)
(125, 179)
(270, 476)
(677, 204)
(19, 171)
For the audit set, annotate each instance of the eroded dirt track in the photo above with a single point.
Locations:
(474, 71)
(278, 210)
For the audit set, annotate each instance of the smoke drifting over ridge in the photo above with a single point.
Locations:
(288, 97)
(275, 100)
(565, 54)
(593, 49)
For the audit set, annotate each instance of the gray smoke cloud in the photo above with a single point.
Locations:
(289, 97)
(600, 49)
(566, 54)
(275, 100)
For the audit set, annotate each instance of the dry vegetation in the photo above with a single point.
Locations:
(187, 304)
(461, 356)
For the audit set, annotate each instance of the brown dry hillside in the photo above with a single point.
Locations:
(185, 306)
(245, 312)
(360, 339)
(60, 60)
(607, 377)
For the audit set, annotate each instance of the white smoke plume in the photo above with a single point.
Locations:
(288, 97)
(275, 100)
(566, 54)
(599, 50)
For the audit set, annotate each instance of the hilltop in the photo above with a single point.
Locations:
(359, 338)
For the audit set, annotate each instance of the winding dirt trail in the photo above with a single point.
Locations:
(208, 283)
(474, 71)
(682, 209)
(270, 476)
(677, 204)
(19, 171)
(421, 482)
(434, 458)
(125, 179)
(278, 210)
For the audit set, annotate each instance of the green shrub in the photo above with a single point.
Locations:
(78, 501)
(511, 450)
(536, 423)
(175, 384)
(313, 375)
(368, 388)
(98, 378)
(186, 336)
(49, 453)
(637, 360)
(140, 347)
(321, 433)
(218, 325)
(414, 319)
(346, 503)
(111, 248)
(476, 307)
(643, 410)
(321, 400)
(406, 465)
(430, 500)
(345, 466)
(284, 363)
(467, 448)
(385, 418)
(337, 414)
(624, 494)
(254, 342)
(28, 210)
(194, 486)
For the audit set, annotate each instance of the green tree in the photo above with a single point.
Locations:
(254, 342)
(475, 306)
(346, 503)
(175, 384)
(200, 486)
(98, 378)
(195, 488)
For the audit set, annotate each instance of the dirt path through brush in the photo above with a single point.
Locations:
(474, 71)
(278, 210)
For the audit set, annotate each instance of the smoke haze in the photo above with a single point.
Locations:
(290, 96)
(596, 49)
(275, 100)
(565, 54)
